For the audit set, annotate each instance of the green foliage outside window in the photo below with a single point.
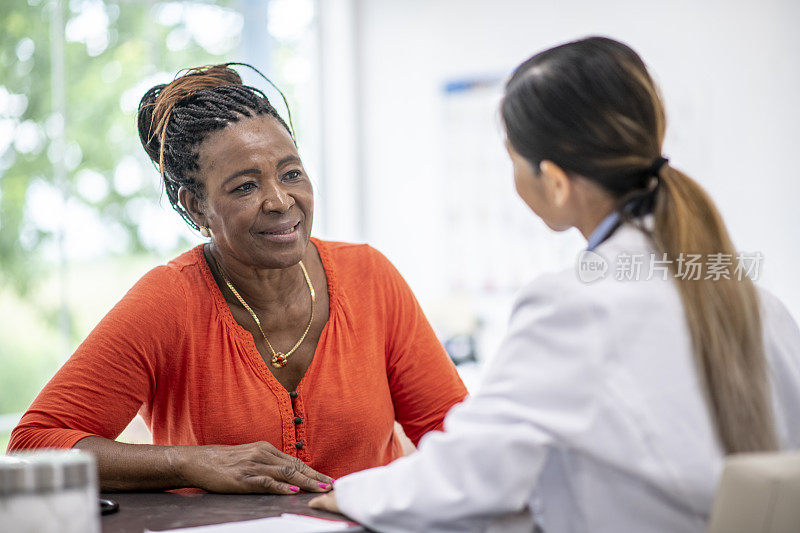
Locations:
(113, 51)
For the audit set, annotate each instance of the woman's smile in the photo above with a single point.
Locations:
(281, 233)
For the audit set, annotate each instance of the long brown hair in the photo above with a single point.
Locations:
(591, 107)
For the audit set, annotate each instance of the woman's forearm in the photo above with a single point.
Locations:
(132, 467)
(256, 467)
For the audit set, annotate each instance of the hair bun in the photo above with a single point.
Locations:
(158, 102)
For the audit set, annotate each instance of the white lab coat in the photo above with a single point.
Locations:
(591, 416)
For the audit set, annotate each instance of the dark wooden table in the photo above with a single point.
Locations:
(166, 510)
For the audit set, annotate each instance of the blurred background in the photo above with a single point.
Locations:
(395, 106)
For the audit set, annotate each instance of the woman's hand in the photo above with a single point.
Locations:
(258, 467)
(326, 502)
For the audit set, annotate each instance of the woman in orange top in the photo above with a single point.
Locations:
(264, 360)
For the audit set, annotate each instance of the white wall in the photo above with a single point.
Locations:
(729, 71)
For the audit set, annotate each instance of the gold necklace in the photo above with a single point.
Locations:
(278, 358)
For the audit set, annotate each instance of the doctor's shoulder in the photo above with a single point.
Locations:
(774, 310)
(566, 288)
(558, 303)
(781, 332)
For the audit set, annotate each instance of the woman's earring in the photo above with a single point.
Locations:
(205, 232)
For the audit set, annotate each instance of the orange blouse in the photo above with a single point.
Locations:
(171, 350)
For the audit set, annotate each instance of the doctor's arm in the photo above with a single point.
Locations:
(538, 392)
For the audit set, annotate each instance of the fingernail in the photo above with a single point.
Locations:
(294, 489)
(323, 485)
(333, 480)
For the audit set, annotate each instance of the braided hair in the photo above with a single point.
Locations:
(173, 119)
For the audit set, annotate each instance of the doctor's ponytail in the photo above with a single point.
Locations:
(591, 107)
(722, 315)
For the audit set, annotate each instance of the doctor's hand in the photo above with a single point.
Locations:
(326, 502)
(257, 467)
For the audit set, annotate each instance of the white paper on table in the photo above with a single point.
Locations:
(285, 523)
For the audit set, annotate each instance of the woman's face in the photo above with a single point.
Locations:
(259, 203)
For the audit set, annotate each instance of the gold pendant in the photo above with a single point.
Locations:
(279, 360)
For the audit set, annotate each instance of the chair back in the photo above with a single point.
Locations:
(758, 493)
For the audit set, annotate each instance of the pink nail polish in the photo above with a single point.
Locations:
(323, 485)
(294, 489)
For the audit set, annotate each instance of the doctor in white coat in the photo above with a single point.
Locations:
(620, 386)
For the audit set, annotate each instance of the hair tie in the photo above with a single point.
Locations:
(655, 168)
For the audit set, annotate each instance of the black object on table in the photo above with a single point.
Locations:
(159, 511)
(108, 506)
